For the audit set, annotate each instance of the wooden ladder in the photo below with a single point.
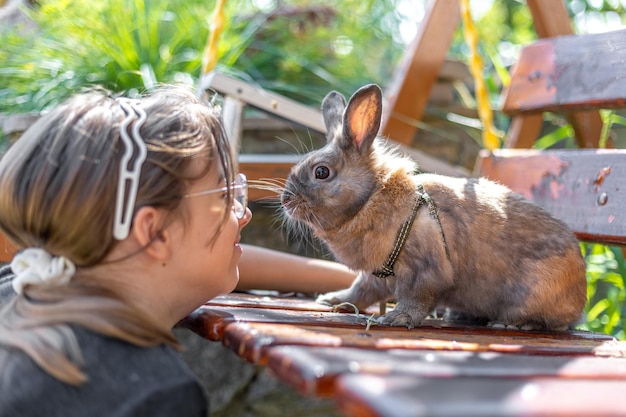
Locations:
(423, 60)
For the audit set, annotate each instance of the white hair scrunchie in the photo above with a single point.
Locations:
(35, 266)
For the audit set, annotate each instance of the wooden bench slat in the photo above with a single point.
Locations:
(315, 370)
(407, 396)
(584, 188)
(574, 72)
(254, 340)
(210, 321)
(270, 102)
(250, 329)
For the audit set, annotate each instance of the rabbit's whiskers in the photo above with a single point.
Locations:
(274, 185)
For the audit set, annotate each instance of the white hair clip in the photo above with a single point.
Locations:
(129, 176)
(35, 266)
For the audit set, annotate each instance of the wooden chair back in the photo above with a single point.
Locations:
(575, 75)
(583, 187)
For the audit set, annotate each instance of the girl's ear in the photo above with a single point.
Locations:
(147, 231)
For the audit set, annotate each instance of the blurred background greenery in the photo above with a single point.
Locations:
(298, 48)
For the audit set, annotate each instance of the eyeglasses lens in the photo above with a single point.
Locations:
(241, 196)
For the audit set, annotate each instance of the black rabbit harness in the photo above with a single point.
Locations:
(421, 198)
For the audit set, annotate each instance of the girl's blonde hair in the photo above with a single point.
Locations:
(58, 187)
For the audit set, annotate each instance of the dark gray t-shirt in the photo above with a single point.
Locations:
(124, 380)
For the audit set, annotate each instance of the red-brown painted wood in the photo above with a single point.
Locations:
(407, 396)
(315, 370)
(584, 188)
(576, 72)
(254, 340)
(315, 350)
(408, 94)
(252, 329)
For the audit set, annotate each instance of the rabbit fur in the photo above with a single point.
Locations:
(488, 252)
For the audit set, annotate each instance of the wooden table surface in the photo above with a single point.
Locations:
(438, 369)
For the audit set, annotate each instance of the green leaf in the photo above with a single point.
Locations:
(597, 309)
(553, 137)
(616, 118)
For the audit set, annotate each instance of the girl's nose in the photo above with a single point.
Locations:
(246, 218)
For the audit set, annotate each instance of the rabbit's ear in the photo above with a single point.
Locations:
(362, 117)
(333, 106)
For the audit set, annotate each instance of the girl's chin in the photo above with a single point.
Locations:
(234, 280)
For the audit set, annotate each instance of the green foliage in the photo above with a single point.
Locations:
(329, 45)
(560, 135)
(132, 44)
(609, 118)
(119, 44)
(606, 292)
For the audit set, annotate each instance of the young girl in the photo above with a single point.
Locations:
(131, 215)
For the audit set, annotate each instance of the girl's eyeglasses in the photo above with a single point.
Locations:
(239, 188)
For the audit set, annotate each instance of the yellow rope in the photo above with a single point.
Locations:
(491, 138)
(209, 57)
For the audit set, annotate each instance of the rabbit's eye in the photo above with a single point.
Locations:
(322, 172)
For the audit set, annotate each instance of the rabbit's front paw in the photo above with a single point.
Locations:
(341, 299)
(402, 318)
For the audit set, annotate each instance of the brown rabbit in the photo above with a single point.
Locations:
(473, 245)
